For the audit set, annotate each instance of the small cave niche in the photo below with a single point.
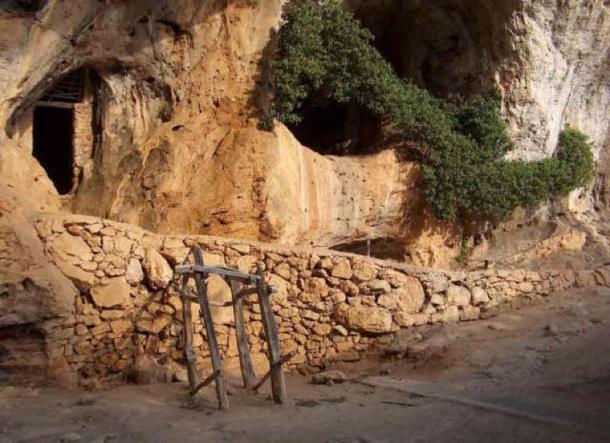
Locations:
(381, 248)
(62, 130)
(52, 139)
(22, 6)
(331, 128)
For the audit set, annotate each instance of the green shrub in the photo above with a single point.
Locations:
(325, 54)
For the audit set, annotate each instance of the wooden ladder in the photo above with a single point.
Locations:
(238, 282)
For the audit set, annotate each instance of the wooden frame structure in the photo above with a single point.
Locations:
(238, 282)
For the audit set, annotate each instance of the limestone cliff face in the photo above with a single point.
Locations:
(174, 88)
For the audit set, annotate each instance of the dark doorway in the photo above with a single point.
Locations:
(53, 137)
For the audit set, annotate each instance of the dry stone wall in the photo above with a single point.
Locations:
(329, 306)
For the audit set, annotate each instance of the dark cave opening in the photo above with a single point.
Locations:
(381, 248)
(52, 139)
(448, 47)
(331, 128)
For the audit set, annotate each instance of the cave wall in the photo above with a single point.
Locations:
(175, 146)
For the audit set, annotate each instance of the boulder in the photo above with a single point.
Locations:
(369, 319)
(411, 296)
(72, 249)
(364, 271)
(115, 293)
(158, 271)
(134, 274)
(342, 269)
(458, 296)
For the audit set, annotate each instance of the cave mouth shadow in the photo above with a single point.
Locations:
(53, 147)
(331, 128)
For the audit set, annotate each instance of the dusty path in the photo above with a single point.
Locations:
(549, 359)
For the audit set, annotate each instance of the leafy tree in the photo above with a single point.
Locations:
(325, 54)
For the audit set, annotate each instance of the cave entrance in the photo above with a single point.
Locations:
(53, 135)
(331, 128)
(62, 129)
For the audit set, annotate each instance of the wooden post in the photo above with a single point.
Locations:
(247, 371)
(187, 330)
(206, 315)
(278, 384)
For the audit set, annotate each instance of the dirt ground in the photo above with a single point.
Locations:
(537, 373)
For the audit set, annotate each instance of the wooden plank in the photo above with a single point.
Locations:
(206, 315)
(204, 383)
(283, 360)
(187, 330)
(247, 371)
(278, 384)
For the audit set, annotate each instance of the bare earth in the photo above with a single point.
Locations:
(539, 372)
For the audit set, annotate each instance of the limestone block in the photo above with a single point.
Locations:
(411, 296)
(71, 249)
(219, 292)
(458, 296)
(389, 301)
(342, 269)
(376, 287)
(120, 326)
(470, 313)
(437, 283)
(115, 293)
(134, 274)
(369, 319)
(479, 296)
(83, 280)
(246, 263)
(283, 270)
(394, 278)
(316, 286)
(158, 271)
(364, 271)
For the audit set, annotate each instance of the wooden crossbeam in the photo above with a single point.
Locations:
(205, 382)
(284, 359)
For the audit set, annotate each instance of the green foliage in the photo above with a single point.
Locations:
(325, 54)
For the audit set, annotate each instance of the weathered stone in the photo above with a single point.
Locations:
(247, 263)
(437, 283)
(458, 296)
(376, 287)
(342, 269)
(451, 314)
(369, 319)
(364, 271)
(328, 378)
(316, 286)
(340, 330)
(219, 293)
(283, 270)
(83, 280)
(71, 249)
(115, 293)
(120, 326)
(470, 313)
(158, 271)
(389, 301)
(322, 329)
(134, 273)
(479, 296)
(526, 287)
(411, 296)
(176, 256)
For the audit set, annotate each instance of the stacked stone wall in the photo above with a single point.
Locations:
(329, 306)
